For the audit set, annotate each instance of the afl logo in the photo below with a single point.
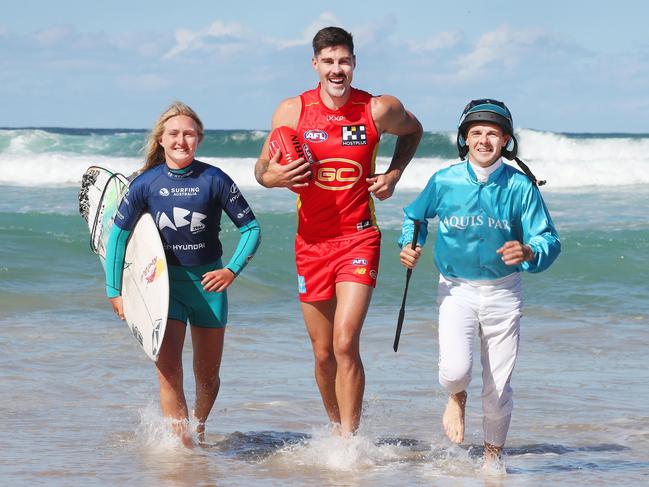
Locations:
(164, 192)
(337, 174)
(316, 136)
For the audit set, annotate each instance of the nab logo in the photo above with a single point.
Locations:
(337, 174)
(316, 136)
(180, 215)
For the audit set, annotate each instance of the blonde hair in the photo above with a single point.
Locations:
(154, 151)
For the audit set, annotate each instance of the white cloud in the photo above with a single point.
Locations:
(439, 41)
(220, 37)
(144, 44)
(325, 19)
(221, 29)
(374, 33)
(503, 48)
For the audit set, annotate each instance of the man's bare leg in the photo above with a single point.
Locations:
(334, 327)
(453, 419)
(319, 321)
(353, 303)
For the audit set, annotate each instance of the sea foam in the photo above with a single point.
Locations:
(38, 157)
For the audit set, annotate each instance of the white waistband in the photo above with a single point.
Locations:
(506, 281)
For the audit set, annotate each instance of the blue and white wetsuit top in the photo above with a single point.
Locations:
(187, 206)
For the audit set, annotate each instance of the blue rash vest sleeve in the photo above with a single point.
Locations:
(539, 232)
(130, 209)
(408, 231)
(248, 245)
(114, 262)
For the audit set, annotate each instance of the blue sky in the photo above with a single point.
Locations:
(559, 65)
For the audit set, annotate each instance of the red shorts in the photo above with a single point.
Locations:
(350, 258)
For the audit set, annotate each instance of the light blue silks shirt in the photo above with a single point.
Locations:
(475, 219)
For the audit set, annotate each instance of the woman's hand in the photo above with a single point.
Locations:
(118, 306)
(218, 280)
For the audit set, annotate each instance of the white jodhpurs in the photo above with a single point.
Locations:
(493, 309)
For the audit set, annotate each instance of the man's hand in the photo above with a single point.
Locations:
(410, 257)
(390, 116)
(382, 185)
(293, 175)
(513, 252)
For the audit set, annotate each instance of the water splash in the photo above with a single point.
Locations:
(325, 449)
(155, 433)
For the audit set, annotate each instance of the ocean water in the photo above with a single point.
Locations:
(79, 399)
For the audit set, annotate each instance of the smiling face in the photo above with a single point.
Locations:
(485, 141)
(179, 140)
(335, 68)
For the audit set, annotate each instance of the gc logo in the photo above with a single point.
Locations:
(337, 174)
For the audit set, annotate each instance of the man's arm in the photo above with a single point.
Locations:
(542, 245)
(268, 171)
(390, 116)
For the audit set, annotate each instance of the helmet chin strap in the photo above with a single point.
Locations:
(510, 151)
(529, 173)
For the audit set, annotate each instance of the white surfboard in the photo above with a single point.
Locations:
(145, 280)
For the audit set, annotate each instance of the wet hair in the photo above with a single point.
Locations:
(154, 151)
(330, 37)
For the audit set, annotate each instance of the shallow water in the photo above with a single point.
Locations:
(79, 401)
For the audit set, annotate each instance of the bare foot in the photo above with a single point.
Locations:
(187, 440)
(453, 419)
(336, 429)
(200, 428)
(493, 463)
(181, 429)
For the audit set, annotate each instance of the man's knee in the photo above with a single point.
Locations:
(346, 348)
(324, 357)
(455, 379)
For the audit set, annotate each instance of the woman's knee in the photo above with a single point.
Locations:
(170, 374)
(208, 383)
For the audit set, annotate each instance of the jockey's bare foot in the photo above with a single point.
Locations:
(493, 463)
(453, 419)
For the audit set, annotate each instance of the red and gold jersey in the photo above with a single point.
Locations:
(344, 143)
